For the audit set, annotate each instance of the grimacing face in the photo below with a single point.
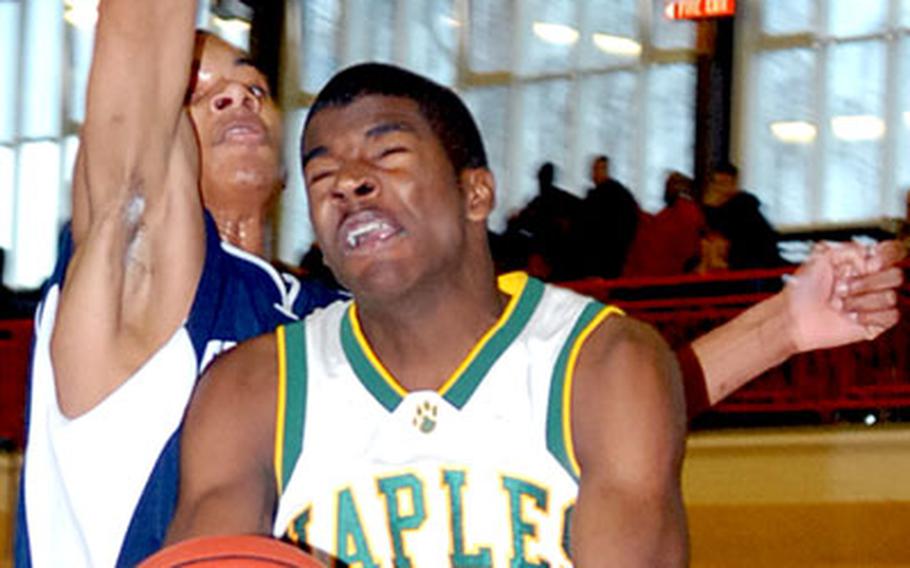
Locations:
(237, 124)
(387, 206)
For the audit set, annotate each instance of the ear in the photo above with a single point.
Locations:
(479, 189)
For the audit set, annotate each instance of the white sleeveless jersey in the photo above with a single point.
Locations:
(479, 473)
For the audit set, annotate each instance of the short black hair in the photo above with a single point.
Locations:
(444, 110)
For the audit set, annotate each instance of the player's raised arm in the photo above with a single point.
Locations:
(137, 224)
(227, 481)
(137, 84)
(629, 431)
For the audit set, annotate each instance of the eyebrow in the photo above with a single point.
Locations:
(245, 61)
(374, 132)
(387, 127)
(315, 152)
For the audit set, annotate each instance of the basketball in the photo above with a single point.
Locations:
(232, 551)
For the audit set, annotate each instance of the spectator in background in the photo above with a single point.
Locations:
(715, 253)
(550, 222)
(735, 214)
(611, 216)
(670, 242)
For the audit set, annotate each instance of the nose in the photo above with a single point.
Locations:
(235, 94)
(355, 182)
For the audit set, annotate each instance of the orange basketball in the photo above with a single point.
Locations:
(231, 552)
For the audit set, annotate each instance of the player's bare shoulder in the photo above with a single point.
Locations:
(625, 372)
(625, 342)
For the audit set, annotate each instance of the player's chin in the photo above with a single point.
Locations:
(384, 279)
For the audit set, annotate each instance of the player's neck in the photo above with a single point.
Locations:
(243, 229)
(425, 336)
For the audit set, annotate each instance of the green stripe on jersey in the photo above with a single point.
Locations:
(364, 369)
(557, 417)
(465, 385)
(295, 397)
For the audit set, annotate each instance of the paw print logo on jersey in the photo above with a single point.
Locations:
(425, 417)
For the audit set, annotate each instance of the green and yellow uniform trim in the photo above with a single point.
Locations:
(525, 294)
(292, 395)
(559, 407)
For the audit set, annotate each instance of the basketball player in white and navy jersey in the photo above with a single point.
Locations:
(148, 287)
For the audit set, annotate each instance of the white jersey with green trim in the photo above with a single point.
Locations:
(479, 473)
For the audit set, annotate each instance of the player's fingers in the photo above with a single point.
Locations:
(822, 247)
(876, 323)
(871, 302)
(872, 282)
(886, 254)
(846, 258)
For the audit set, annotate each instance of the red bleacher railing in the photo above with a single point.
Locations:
(15, 342)
(871, 376)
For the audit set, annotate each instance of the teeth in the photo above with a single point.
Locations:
(362, 230)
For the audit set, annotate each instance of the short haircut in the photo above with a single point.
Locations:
(444, 110)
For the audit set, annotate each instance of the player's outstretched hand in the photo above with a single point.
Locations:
(844, 292)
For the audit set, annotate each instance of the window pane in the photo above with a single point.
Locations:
(490, 45)
(9, 56)
(670, 34)
(544, 133)
(854, 167)
(857, 17)
(82, 41)
(904, 15)
(614, 40)
(43, 64)
(781, 17)
(7, 180)
(70, 148)
(902, 162)
(380, 20)
(434, 40)
(319, 52)
(489, 106)
(36, 214)
(785, 132)
(554, 35)
(295, 234)
(671, 131)
(612, 126)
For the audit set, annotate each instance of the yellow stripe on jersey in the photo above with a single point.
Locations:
(368, 351)
(512, 284)
(569, 377)
(280, 410)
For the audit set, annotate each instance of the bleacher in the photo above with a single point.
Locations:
(15, 342)
(865, 382)
(862, 382)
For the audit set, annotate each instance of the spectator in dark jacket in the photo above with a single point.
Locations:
(735, 214)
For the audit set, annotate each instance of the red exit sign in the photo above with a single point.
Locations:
(697, 9)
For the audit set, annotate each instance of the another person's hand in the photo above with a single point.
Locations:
(844, 292)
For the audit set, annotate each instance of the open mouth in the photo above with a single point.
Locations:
(366, 230)
(242, 130)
